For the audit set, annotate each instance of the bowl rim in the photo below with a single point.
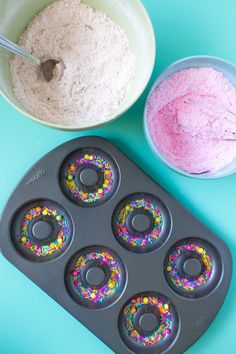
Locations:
(160, 78)
(114, 117)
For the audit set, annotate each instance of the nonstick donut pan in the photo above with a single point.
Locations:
(116, 250)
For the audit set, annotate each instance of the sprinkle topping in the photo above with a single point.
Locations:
(104, 260)
(157, 304)
(56, 218)
(102, 190)
(183, 281)
(139, 241)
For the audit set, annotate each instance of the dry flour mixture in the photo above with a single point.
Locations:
(96, 66)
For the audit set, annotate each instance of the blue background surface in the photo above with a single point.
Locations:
(30, 321)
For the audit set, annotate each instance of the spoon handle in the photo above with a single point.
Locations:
(12, 47)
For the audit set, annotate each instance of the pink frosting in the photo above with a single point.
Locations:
(188, 115)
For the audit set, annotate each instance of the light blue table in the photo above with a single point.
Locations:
(30, 321)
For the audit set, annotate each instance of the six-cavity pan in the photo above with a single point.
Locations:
(116, 250)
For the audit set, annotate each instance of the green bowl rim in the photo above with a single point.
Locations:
(74, 128)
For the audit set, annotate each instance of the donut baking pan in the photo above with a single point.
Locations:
(115, 249)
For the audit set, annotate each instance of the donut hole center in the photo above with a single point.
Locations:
(95, 277)
(96, 274)
(139, 222)
(148, 323)
(147, 320)
(192, 267)
(42, 230)
(89, 178)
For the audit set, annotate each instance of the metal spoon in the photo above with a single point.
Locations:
(46, 68)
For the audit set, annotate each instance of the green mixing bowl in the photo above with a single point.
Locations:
(129, 14)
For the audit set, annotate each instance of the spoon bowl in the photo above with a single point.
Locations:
(47, 67)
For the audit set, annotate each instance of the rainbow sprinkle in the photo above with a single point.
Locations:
(146, 239)
(56, 217)
(184, 282)
(110, 288)
(166, 320)
(102, 192)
